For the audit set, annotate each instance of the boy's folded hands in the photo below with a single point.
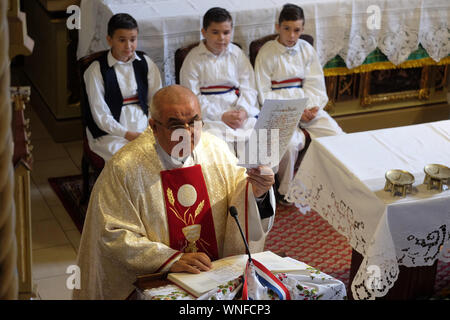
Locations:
(234, 118)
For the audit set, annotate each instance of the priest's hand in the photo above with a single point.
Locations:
(192, 263)
(262, 179)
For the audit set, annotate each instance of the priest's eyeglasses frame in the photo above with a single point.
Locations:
(186, 126)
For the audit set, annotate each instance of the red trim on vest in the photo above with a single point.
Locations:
(131, 99)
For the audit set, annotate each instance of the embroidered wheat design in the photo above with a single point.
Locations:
(197, 212)
(170, 196)
(199, 208)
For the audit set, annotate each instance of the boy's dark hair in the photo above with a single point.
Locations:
(121, 21)
(291, 12)
(216, 14)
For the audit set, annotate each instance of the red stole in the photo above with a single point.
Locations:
(191, 225)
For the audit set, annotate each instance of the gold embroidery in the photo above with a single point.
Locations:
(170, 196)
(198, 210)
(192, 234)
(191, 231)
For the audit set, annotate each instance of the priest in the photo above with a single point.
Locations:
(161, 203)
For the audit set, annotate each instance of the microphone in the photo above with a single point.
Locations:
(234, 213)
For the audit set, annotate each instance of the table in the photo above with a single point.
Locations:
(343, 177)
(305, 283)
(348, 28)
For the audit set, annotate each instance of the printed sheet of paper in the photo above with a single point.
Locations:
(272, 132)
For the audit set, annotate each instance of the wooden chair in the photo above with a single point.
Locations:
(255, 45)
(90, 159)
(180, 55)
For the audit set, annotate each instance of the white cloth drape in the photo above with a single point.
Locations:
(347, 28)
(342, 178)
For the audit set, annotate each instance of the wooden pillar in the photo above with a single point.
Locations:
(8, 247)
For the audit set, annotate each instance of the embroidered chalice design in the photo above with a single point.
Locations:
(192, 234)
(187, 196)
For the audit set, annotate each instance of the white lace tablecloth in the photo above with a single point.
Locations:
(342, 178)
(349, 28)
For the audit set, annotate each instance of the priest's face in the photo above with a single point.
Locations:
(178, 126)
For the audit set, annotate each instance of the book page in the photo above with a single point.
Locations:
(272, 133)
(275, 263)
(222, 270)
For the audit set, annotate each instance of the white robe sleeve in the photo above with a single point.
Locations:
(264, 65)
(314, 82)
(254, 228)
(153, 78)
(190, 77)
(259, 228)
(248, 95)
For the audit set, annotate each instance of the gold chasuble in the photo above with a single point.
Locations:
(141, 217)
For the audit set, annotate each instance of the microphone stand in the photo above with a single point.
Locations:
(234, 213)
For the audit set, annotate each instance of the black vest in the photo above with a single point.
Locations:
(113, 96)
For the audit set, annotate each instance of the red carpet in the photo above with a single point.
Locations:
(308, 238)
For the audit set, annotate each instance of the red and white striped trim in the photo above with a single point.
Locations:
(266, 279)
(288, 83)
(218, 90)
(131, 100)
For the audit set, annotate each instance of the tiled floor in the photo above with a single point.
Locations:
(55, 236)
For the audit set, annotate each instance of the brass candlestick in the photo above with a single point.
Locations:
(398, 181)
(436, 176)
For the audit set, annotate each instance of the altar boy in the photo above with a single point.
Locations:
(289, 68)
(221, 75)
(119, 86)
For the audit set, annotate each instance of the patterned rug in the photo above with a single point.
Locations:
(308, 238)
(69, 190)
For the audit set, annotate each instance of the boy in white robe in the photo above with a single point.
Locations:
(289, 68)
(221, 75)
(118, 100)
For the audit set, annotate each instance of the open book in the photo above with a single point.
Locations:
(230, 268)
